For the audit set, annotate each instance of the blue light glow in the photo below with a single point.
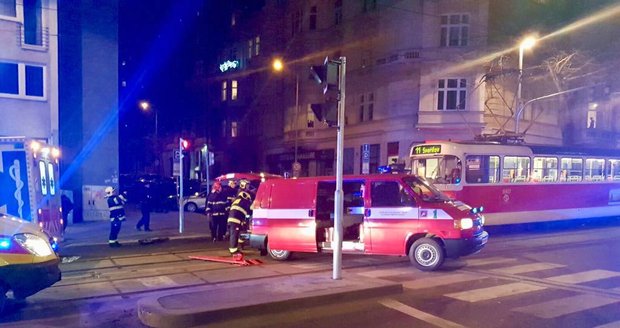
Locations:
(5, 243)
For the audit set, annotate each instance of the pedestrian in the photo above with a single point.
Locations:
(117, 215)
(67, 207)
(240, 212)
(217, 208)
(145, 207)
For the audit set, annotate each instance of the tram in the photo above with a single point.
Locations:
(520, 183)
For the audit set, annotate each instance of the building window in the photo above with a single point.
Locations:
(233, 129)
(310, 117)
(233, 90)
(367, 106)
(591, 122)
(8, 8)
(9, 83)
(250, 48)
(392, 152)
(312, 20)
(33, 27)
(256, 45)
(454, 30)
(296, 23)
(451, 94)
(224, 90)
(224, 129)
(233, 19)
(338, 12)
(34, 81)
(369, 5)
(22, 80)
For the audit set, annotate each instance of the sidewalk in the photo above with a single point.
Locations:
(164, 225)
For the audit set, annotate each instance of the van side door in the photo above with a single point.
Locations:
(391, 217)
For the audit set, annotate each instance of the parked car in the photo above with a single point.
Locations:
(196, 202)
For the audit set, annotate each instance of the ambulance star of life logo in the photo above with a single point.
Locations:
(423, 213)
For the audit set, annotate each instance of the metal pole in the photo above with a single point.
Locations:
(338, 194)
(157, 143)
(519, 101)
(181, 205)
(207, 164)
(296, 124)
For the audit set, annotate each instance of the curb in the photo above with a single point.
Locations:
(261, 296)
(131, 241)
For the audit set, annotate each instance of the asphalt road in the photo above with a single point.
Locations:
(527, 276)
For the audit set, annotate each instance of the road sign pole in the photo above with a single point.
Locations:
(338, 194)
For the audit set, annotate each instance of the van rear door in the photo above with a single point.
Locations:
(392, 216)
(291, 215)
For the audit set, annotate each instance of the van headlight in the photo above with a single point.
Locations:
(34, 244)
(464, 224)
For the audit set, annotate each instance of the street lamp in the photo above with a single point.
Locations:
(526, 44)
(278, 66)
(145, 106)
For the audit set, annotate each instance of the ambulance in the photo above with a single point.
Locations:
(384, 214)
(28, 261)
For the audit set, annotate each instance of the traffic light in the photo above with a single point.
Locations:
(326, 75)
(326, 112)
(183, 144)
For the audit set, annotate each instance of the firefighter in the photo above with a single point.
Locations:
(240, 212)
(216, 211)
(231, 192)
(117, 214)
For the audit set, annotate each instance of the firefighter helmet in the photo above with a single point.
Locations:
(217, 186)
(109, 191)
(244, 184)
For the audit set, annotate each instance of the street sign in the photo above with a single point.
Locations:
(176, 170)
(365, 159)
(177, 155)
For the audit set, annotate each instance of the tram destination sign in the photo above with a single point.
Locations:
(426, 150)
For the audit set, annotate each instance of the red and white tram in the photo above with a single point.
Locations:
(519, 183)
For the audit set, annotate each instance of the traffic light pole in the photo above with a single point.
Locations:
(181, 205)
(338, 195)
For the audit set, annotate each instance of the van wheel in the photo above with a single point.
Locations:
(426, 254)
(278, 254)
(191, 207)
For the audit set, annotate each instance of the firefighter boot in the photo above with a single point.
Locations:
(238, 257)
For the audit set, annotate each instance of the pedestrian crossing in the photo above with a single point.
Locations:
(567, 292)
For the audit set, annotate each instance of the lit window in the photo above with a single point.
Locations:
(250, 47)
(454, 30)
(545, 169)
(233, 90)
(256, 46)
(594, 169)
(8, 8)
(224, 91)
(572, 169)
(451, 94)
(516, 169)
(233, 129)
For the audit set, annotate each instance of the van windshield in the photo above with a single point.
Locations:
(425, 190)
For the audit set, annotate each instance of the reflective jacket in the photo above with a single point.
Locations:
(217, 203)
(115, 204)
(240, 210)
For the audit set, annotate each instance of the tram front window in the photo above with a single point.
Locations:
(439, 170)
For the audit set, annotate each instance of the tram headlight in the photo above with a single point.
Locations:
(34, 244)
(464, 224)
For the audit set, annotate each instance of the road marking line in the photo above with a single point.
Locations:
(490, 260)
(524, 268)
(484, 294)
(436, 281)
(564, 306)
(579, 277)
(420, 315)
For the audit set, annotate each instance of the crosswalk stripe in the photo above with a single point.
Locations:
(413, 312)
(387, 272)
(567, 305)
(484, 294)
(579, 277)
(615, 324)
(436, 281)
(490, 260)
(524, 268)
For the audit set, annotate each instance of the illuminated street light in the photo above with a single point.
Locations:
(526, 44)
(278, 66)
(145, 106)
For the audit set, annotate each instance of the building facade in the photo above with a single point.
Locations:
(415, 71)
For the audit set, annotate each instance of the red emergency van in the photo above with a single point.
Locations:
(395, 214)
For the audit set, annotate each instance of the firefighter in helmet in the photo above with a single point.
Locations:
(240, 212)
(217, 208)
(117, 214)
